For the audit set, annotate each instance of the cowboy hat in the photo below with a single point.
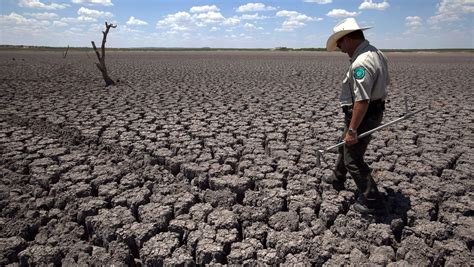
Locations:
(342, 28)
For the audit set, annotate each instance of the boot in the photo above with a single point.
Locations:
(375, 206)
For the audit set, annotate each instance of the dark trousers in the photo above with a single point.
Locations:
(351, 157)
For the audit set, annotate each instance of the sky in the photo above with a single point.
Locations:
(397, 24)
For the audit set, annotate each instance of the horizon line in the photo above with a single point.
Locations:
(278, 48)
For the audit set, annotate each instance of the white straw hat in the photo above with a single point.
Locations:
(342, 28)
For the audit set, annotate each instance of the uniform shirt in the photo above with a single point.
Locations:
(367, 77)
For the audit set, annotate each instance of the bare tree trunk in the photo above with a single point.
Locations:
(101, 65)
(65, 53)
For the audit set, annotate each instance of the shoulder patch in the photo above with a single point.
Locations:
(359, 73)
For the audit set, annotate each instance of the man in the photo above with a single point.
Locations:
(364, 90)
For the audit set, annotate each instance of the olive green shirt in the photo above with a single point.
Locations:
(367, 77)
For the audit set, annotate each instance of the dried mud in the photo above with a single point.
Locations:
(210, 157)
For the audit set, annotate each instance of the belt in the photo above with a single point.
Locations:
(375, 106)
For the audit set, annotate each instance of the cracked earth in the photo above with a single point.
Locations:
(210, 158)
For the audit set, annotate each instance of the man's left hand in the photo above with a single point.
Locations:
(351, 139)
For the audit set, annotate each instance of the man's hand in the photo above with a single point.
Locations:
(358, 113)
(351, 139)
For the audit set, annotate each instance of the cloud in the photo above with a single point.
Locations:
(252, 17)
(321, 2)
(78, 20)
(294, 20)
(91, 13)
(252, 27)
(231, 21)
(86, 16)
(59, 23)
(180, 21)
(341, 13)
(369, 4)
(253, 7)
(15, 19)
(414, 24)
(20, 23)
(209, 17)
(184, 21)
(452, 10)
(42, 16)
(39, 5)
(126, 31)
(94, 2)
(136, 22)
(201, 9)
(413, 21)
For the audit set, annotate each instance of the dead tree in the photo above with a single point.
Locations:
(65, 53)
(101, 64)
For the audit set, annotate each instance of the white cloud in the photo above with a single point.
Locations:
(369, 4)
(321, 2)
(91, 13)
(452, 10)
(413, 24)
(184, 21)
(59, 23)
(253, 17)
(294, 20)
(210, 17)
(180, 21)
(85, 16)
(413, 21)
(201, 9)
(231, 21)
(15, 19)
(19, 23)
(252, 27)
(40, 5)
(253, 7)
(42, 16)
(94, 2)
(78, 20)
(136, 22)
(126, 31)
(341, 13)
(286, 13)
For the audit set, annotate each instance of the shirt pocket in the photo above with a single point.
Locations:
(346, 96)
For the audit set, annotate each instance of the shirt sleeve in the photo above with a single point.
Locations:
(363, 80)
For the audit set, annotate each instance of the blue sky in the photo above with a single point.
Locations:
(235, 24)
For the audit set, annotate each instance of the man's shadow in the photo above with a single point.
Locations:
(398, 206)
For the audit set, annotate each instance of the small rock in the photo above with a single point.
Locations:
(158, 248)
(200, 211)
(382, 255)
(268, 256)
(9, 249)
(136, 234)
(104, 225)
(208, 251)
(283, 220)
(155, 213)
(223, 219)
(244, 250)
(40, 255)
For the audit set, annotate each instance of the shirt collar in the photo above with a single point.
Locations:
(359, 50)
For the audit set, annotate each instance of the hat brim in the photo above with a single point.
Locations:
(331, 44)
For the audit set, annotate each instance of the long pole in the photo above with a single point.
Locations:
(406, 116)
